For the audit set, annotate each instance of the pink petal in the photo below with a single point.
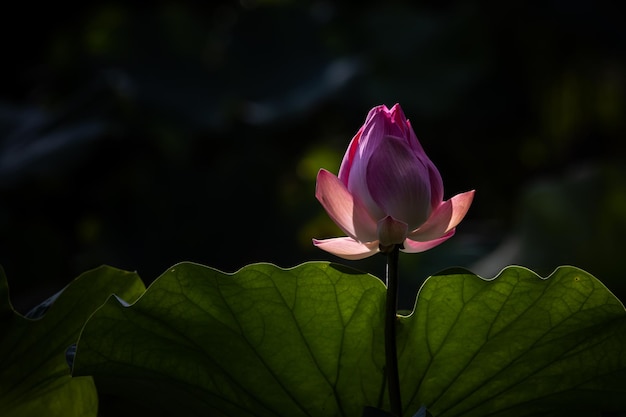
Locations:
(347, 212)
(372, 135)
(411, 246)
(347, 248)
(436, 184)
(375, 126)
(399, 182)
(446, 217)
(396, 122)
(348, 158)
(391, 231)
(413, 141)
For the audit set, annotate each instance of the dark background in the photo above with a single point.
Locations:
(140, 136)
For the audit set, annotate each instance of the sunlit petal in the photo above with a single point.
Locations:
(411, 246)
(347, 212)
(445, 217)
(347, 248)
(348, 158)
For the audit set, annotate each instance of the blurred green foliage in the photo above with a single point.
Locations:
(140, 136)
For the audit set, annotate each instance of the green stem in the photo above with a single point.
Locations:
(391, 351)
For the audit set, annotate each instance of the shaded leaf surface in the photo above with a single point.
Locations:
(34, 376)
(264, 342)
(515, 346)
(308, 341)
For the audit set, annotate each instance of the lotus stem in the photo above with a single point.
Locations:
(391, 351)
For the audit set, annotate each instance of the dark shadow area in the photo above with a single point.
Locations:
(346, 269)
(141, 136)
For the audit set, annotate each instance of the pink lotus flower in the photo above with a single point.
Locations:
(388, 192)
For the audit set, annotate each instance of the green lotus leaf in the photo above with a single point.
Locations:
(34, 375)
(307, 341)
(265, 341)
(517, 345)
